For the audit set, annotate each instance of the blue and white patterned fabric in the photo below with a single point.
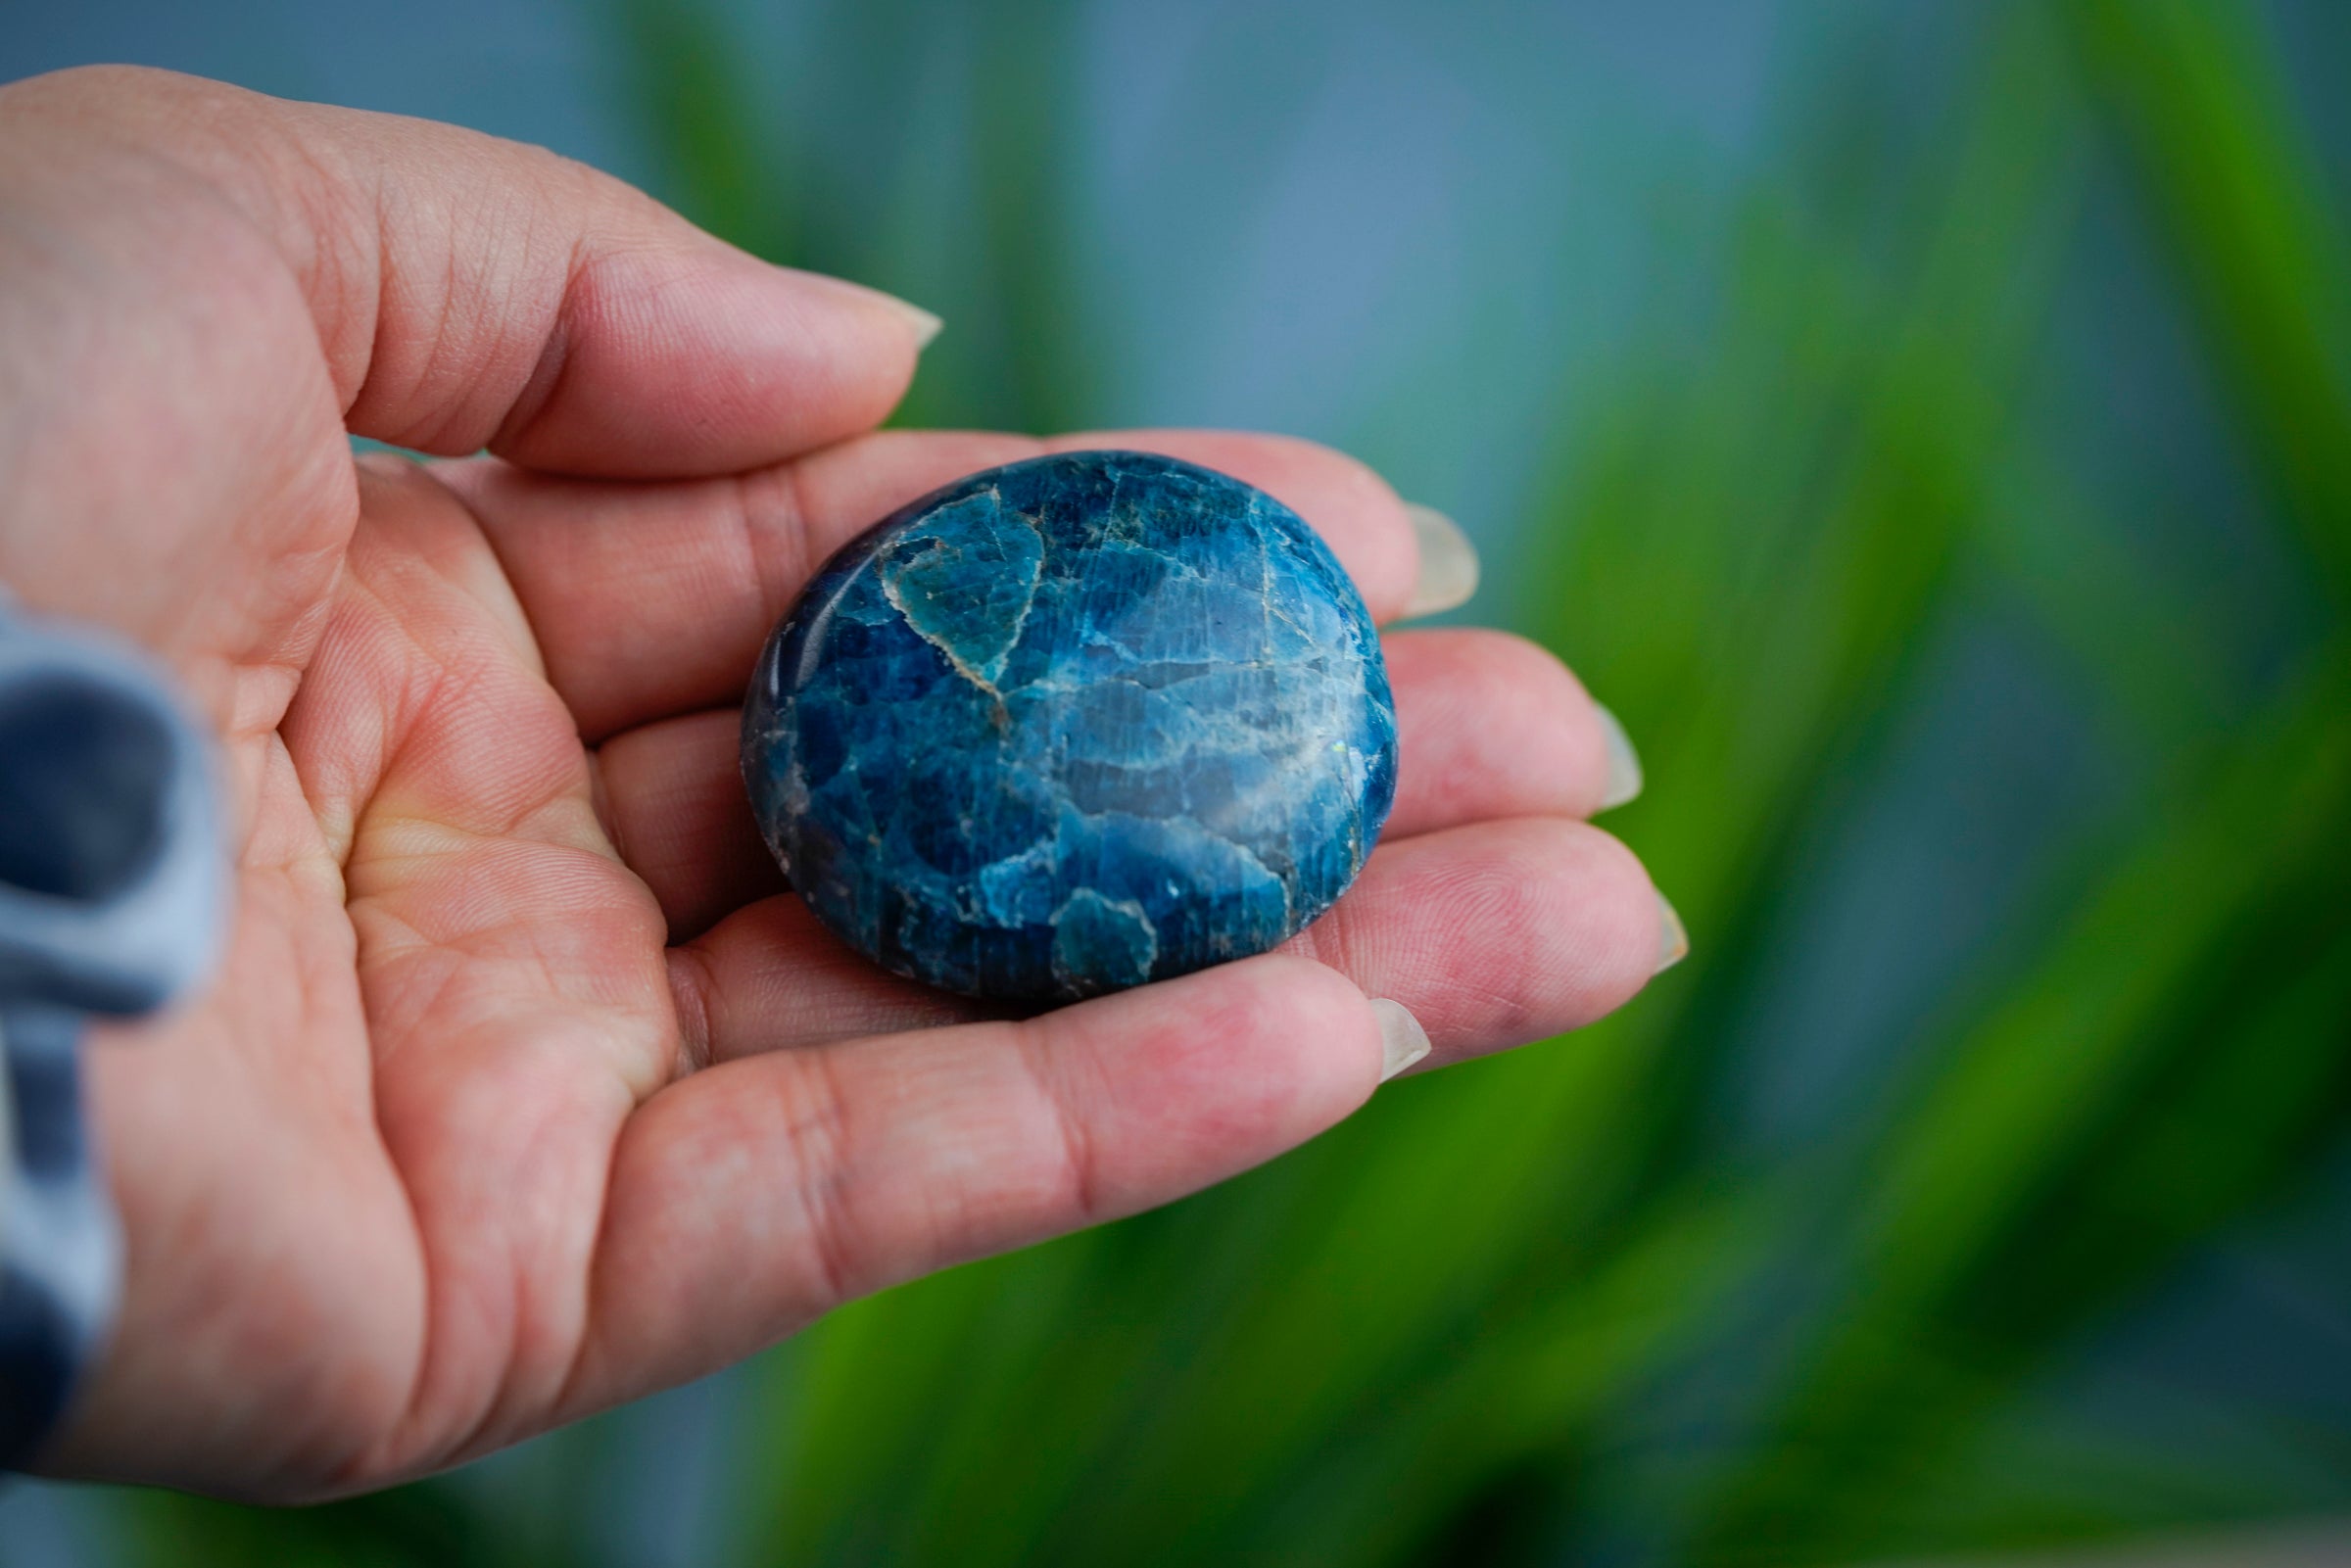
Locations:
(112, 883)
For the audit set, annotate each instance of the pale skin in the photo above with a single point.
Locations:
(525, 1087)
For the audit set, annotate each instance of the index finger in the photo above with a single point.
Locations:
(201, 288)
(653, 601)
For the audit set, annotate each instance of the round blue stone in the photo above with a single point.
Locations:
(1072, 725)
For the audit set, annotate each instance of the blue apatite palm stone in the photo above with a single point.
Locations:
(1072, 725)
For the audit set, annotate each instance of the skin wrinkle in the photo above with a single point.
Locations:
(1081, 1159)
(329, 261)
(688, 970)
(391, 862)
(399, 479)
(383, 318)
(600, 805)
(471, 569)
(585, 1347)
(377, 812)
(545, 318)
(476, 364)
(1328, 939)
(546, 382)
(406, 730)
(408, 1451)
(395, 942)
(444, 309)
(340, 817)
(384, 1042)
(787, 561)
(820, 1141)
(583, 1292)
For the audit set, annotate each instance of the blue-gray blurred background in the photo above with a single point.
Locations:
(1929, 426)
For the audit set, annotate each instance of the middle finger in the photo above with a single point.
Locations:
(1489, 726)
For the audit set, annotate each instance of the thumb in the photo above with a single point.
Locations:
(201, 287)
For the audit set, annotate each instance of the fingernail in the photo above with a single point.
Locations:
(1402, 1039)
(926, 325)
(1624, 763)
(1674, 942)
(1448, 564)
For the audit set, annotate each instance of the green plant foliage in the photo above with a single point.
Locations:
(1439, 1333)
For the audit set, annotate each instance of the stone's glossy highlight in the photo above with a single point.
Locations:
(1072, 725)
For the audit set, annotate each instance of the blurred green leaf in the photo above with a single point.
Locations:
(1434, 1335)
(2223, 163)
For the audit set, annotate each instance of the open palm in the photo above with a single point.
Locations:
(526, 1086)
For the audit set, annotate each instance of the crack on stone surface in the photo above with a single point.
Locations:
(949, 592)
(1101, 943)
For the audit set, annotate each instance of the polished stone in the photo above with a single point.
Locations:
(1071, 725)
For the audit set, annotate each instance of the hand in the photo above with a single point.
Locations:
(526, 1088)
